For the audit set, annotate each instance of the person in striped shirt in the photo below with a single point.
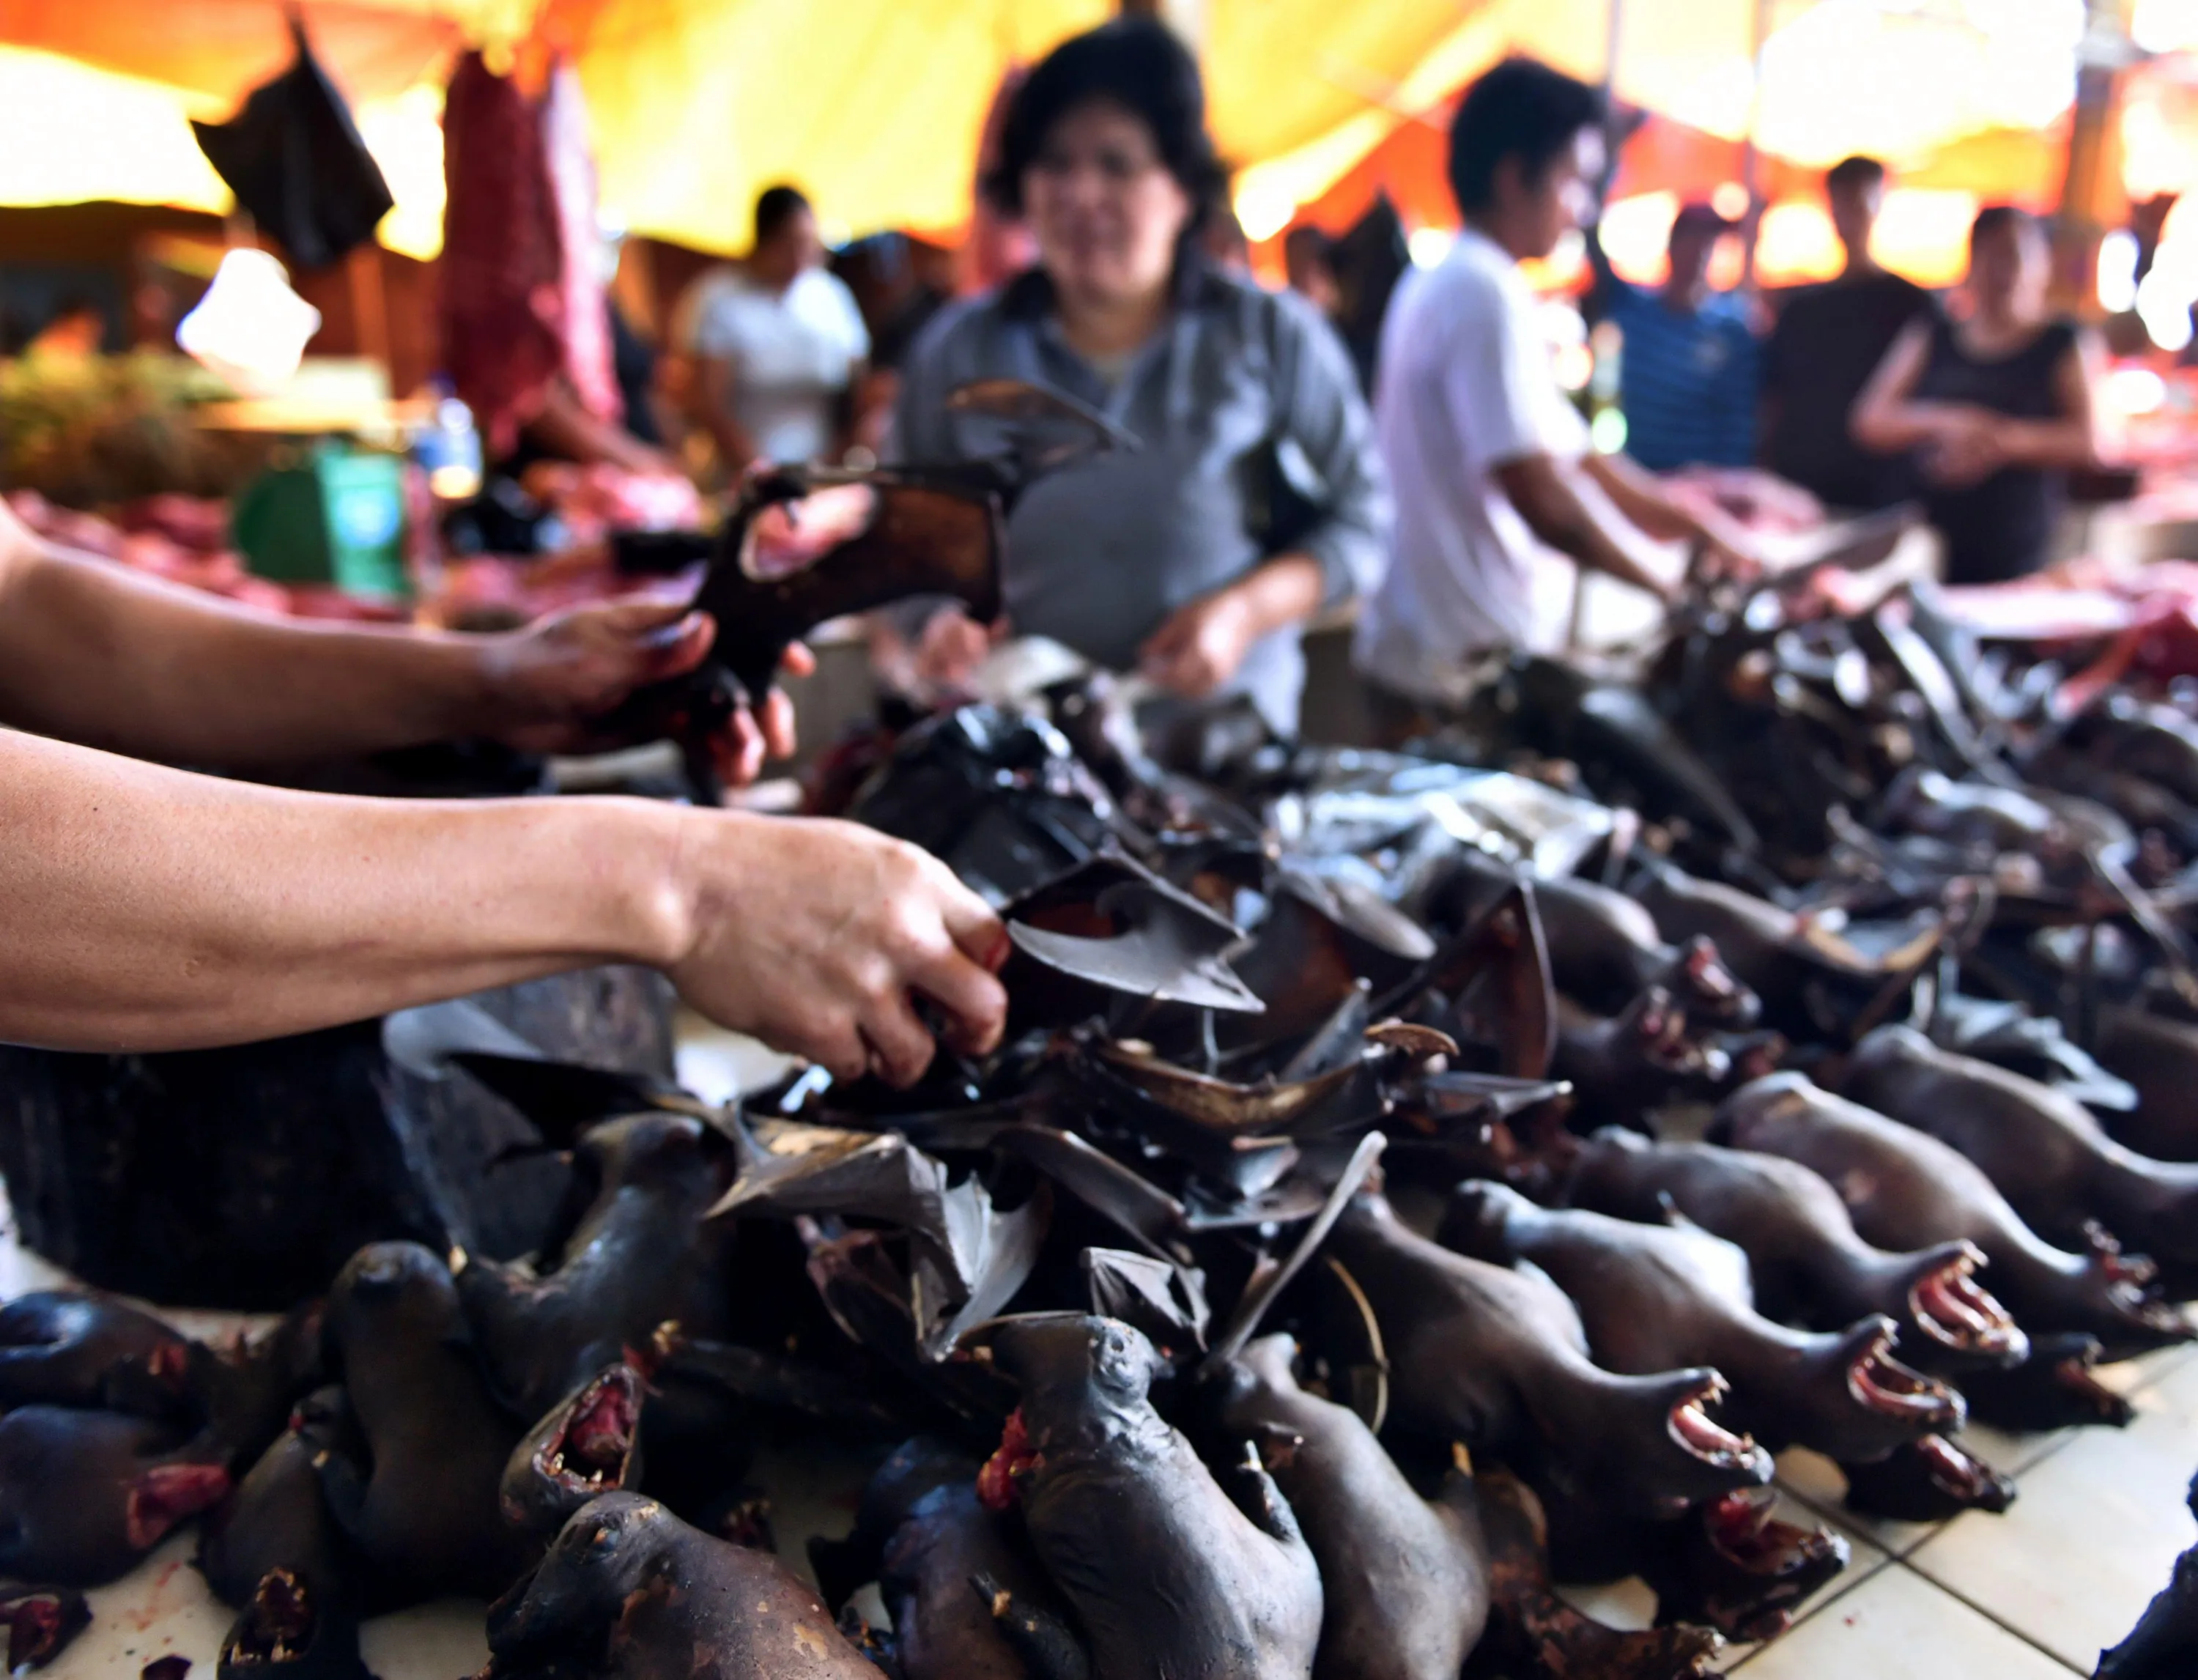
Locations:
(1690, 365)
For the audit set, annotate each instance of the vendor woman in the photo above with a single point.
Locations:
(1178, 560)
(146, 908)
(1995, 407)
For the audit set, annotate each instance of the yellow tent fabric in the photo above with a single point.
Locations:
(875, 106)
(1839, 76)
(71, 132)
(221, 49)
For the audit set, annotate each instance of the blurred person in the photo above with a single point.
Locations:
(1223, 239)
(1309, 260)
(1828, 341)
(152, 907)
(1493, 473)
(780, 344)
(1688, 371)
(1162, 560)
(1994, 407)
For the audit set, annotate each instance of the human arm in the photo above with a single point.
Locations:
(1887, 417)
(1963, 442)
(1648, 505)
(97, 653)
(1549, 495)
(143, 908)
(2070, 440)
(1322, 419)
(566, 429)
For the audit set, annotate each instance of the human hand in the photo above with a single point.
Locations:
(813, 935)
(1967, 450)
(550, 685)
(1724, 559)
(1200, 645)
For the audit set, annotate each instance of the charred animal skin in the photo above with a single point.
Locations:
(1653, 1297)
(1808, 1263)
(2158, 1055)
(1166, 1573)
(422, 1507)
(924, 1535)
(278, 1517)
(1605, 949)
(627, 1591)
(1405, 1581)
(1905, 1190)
(84, 1494)
(582, 1448)
(61, 1347)
(1529, 1624)
(1496, 1358)
(633, 1261)
(2042, 1150)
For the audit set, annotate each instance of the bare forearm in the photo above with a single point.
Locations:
(1890, 427)
(1638, 495)
(2069, 444)
(1284, 590)
(94, 653)
(568, 430)
(143, 907)
(1560, 510)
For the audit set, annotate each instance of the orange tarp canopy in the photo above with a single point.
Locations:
(221, 48)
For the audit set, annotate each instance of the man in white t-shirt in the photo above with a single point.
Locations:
(1489, 460)
(780, 340)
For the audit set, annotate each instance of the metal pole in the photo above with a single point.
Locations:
(1750, 158)
(1613, 135)
(2089, 193)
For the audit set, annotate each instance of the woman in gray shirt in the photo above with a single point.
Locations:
(1256, 498)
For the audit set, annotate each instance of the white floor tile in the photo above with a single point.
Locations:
(2093, 1536)
(1897, 1625)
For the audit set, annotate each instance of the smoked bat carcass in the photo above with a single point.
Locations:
(1405, 1579)
(2042, 1150)
(1166, 1573)
(1652, 1297)
(420, 1501)
(627, 1591)
(1808, 1263)
(958, 1579)
(84, 1494)
(1496, 1358)
(1905, 1189)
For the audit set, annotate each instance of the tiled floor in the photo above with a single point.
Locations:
(2037, 1592)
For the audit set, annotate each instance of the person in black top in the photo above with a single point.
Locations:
(1994, 407)
(1828, 340)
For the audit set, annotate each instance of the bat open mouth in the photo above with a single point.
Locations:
(1713, 988)
(277, 1626)
(995, 1482)
(1880, 1383)
(1970, 1480)
(1952, 1308)
(39, 1622)
(592, 1452)
(1694, 1429)
(168, 1494)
